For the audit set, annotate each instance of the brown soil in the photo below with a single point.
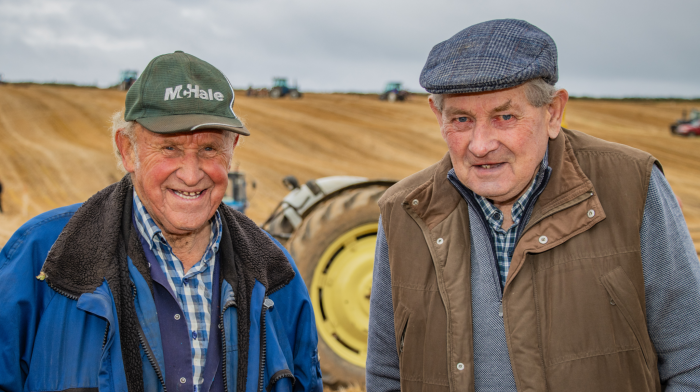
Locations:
(55, 146)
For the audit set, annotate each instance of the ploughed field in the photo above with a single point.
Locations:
(55, 146)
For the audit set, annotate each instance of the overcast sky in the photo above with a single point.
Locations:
(606, 47)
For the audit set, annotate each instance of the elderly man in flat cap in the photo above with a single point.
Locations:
(531, 257)
(153, 284)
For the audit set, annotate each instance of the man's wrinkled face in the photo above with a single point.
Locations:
(180, 178)
(496, 140)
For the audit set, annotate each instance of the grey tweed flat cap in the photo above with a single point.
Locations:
(490, 56)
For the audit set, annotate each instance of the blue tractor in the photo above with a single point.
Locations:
(235, 196)
(127, 78)
(280, 89)
(393, 92)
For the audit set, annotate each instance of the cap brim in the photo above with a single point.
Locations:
(192, 122)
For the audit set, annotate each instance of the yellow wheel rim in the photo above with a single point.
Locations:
(340, 291)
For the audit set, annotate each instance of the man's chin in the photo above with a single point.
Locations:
(495, 195)
(177, 226)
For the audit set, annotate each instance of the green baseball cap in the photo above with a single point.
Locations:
(178, 92)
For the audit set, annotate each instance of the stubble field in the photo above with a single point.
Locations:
(55, 146)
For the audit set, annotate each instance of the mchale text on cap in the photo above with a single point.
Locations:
(178, 92)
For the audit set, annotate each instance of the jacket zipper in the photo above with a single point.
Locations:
(223, 342)
(278, 376)
(142, 340)
(63, 293)
(104, 339)
(147, 348)
(267, 303)
(75, 298)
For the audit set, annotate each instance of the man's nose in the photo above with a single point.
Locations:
(483, 140)
(190, 171)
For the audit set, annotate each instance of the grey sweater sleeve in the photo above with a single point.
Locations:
(382, 373)
(672, 287)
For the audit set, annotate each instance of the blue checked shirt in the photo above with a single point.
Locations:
(193, 290)
(505, 240)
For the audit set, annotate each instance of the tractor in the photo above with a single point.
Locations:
(127, 78)
(329, 225)
(280, 89)
(392, 93)
(687, 126)
(235, 196)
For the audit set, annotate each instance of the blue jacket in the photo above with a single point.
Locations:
(51, 342)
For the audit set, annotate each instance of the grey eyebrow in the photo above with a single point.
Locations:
(453, 111)
(503, 107)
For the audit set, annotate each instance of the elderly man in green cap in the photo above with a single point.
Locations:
(153, 284)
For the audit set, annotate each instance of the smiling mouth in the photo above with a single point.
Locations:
(489, 166)
(188, 195)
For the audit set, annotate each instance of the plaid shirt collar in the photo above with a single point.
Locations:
(154, 235)
(494, 216)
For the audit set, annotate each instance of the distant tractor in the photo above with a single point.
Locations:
(127, 78)
(280, 89)
(687, 126)
(392, 93)
(235, 195)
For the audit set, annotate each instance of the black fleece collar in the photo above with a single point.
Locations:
(93, 247)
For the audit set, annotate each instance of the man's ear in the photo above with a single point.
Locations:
(126, 150)
(236, 140)
(436, 112)
(556, 113)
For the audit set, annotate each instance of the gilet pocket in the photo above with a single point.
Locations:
(623, 296)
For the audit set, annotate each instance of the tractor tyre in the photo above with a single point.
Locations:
(392, 97)
(294, 94)
(334, 251)
(275, 93)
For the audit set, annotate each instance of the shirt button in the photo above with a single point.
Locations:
(415, 202)
(185, 280)
(440, 241)
(183, 380)
(177, 316)
(591, 213)
(194, 335)
(543, 239)
(460, 366)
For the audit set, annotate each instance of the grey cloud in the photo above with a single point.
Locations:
(612, 48)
